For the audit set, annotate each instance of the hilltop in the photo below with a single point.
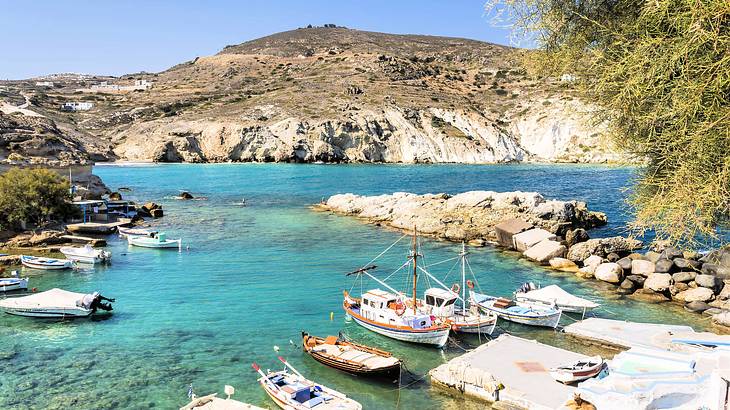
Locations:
(334, 95)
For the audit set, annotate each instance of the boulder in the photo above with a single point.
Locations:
(625, 264)
(671, 253)
(602, 247)
(696, 306)
(635, 255)
(687, 264)
(562, 264)
(637, 279)
(585, 272)
(725, 292)
(545, 250)
(663, 266)
(658, 282)
(696, 294)
(627, 285)
(45, 238)
(613, 257)
(722, 319)
(575, 236)
(649, 296)
(712, 311)
(525, 240)
(684, 276)
(716, 270)
(678, 287)
(505, 230)
(691, 255)
(115, 196)
(157, 213)
(642, 267)
(609, 272)
(479, 242)
(652, 256)
(185, 195)
(718, 257)
(706, 281)
(592, 262)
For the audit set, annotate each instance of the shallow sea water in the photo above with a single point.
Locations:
(256, 276)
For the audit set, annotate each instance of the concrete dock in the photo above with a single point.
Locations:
(510, 370)
(621, 335)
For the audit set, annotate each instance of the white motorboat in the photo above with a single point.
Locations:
(577, 371)
(466, 318)
(212, 402)
(56, 303)
(530, 296)
(13, 283)
(158, 241)
(35, 262)
(86, 254)
(125, 232)
(292, 391)
(395, 315)
(507, 309)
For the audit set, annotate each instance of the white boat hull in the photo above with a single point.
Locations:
(142, 242)
(564, 308)
(542, 321)
(9, 285)
(60, 313)
(436, 338)
(486, 328)
(57, 265)
(84, 255)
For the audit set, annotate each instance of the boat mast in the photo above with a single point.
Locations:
(463, 278)
(415, 267)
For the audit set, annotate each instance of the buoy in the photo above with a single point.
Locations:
(332, 316)
(276, 348)
(34, 289)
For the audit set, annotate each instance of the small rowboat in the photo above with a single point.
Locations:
(45, 263)
(292, 391)
(553, 295)
(212, 402)
(86, 254)
(577, 371)
(350, 357)
(125, 232)
(508, 310)
(159, 241)
(11, 284)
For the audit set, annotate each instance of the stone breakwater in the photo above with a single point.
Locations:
(554, 233)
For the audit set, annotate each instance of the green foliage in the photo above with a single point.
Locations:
(33, 196)
(659, 71)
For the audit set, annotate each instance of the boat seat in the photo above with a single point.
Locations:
(331, 340)
(502, 303)
(313, 402)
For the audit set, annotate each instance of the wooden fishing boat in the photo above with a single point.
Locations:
(159, 241)
(56, 303)
(351, 357)
(553, 295)
(13, 283)
(35, 262)
(86, 254)
(212, 402)
(508, 310)
(125, 232)
(292, 391)
(395, 315)
(577, 371)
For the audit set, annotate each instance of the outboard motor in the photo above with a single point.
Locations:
(526, 287)
(98, 303)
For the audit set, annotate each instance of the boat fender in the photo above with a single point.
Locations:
(470, 284)
(400, 308)
(455, 288)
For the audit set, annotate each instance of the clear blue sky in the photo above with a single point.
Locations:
(105, 37)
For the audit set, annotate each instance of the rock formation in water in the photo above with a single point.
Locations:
(337, 95)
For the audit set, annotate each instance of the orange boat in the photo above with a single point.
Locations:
(351, 357)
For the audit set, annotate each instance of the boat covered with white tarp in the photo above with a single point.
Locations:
(86, 254)
(56, 303)
(554, 295)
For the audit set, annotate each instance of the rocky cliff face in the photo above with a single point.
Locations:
(340, 95)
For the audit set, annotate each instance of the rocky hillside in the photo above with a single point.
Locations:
(339, 95)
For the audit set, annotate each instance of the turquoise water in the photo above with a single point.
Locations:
(255, 276)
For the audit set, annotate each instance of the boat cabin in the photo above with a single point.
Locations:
(440, 302)
(309, 396)
(378, 299)
(383, 307)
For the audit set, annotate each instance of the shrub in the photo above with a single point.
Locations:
(33, 195)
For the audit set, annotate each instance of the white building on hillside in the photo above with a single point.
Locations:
(48, 84)
(76, 106)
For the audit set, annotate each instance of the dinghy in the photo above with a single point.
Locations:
(56, 303)
(292, 391)
(158, 241)
(35, 262)
(212, 402)
(394, 314)
(125, 232)
(86, 254)
(351, 357)
(530, 296)
(13, 283)
(508, 310)
(577, 371)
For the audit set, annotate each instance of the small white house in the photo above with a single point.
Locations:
(142, 84)
(76, 106)
(48, 84)
(568, 78)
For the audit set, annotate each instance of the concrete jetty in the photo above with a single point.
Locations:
(510, 370)
(621, 335)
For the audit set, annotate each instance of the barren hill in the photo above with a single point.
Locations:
(337, 95)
